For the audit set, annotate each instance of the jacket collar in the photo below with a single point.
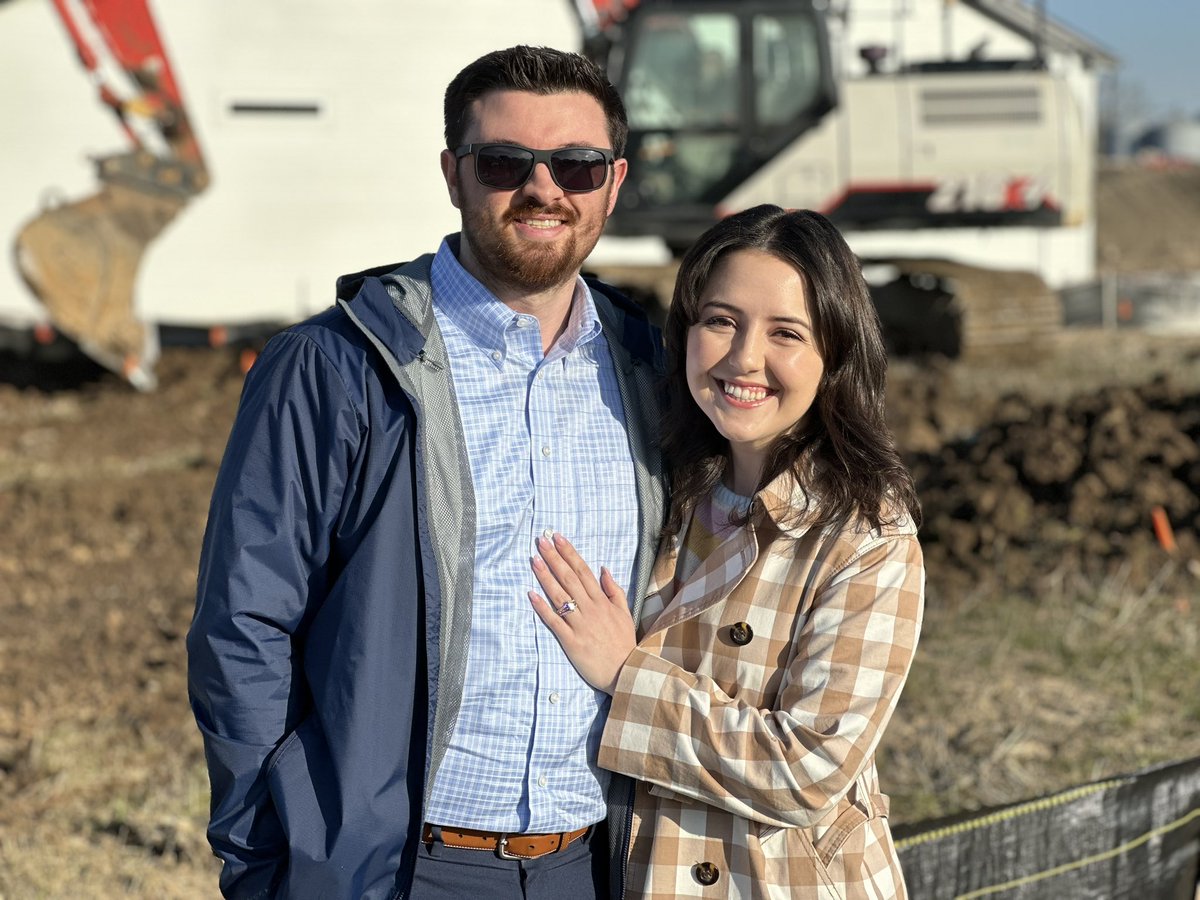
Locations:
(395, 303)
(778, 503)
(771, 516)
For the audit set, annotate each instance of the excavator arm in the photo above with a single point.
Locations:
(81, 258)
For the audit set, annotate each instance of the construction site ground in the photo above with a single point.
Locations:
(1060, 642)
(1061, 503)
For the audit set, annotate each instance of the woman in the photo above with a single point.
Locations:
(787, 598)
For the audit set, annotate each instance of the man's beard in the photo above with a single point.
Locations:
(529, 265)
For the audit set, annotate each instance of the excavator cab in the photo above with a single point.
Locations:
(713, 91)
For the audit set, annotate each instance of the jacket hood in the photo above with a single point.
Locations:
(350, 284)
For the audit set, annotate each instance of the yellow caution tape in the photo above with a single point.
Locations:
(1086, 861)
(1012, 812)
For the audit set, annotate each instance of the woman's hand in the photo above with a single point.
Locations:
(590, 618)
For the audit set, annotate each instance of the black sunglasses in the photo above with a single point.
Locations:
(506, 167)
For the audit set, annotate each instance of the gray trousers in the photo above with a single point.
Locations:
(449, 873)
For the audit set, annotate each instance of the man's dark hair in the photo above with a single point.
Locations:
(538, 70)
(842, 453)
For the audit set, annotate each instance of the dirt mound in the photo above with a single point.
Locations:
(1065, 488)
(1147, 219)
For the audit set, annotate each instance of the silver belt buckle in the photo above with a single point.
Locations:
(502, 848)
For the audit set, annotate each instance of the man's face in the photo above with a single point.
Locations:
(536, 237)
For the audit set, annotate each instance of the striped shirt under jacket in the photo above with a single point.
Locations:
(548, 451)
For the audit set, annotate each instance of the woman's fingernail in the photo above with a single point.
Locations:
(536, 562)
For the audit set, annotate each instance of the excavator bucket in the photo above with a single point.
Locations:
(81, 259)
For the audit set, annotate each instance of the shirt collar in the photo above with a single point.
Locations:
(485, 320)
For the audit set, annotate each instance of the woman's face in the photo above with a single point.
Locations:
(753, 364)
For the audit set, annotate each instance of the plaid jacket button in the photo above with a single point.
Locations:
(706, 873)
(741, 634)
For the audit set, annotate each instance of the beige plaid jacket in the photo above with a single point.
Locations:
(751, 709)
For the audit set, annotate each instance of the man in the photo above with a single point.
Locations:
(383, 714)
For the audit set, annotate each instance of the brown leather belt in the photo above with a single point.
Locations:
(505, 846)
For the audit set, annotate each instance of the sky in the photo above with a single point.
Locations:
(1156, 43)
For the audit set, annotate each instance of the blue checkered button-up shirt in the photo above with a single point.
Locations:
(548, 451)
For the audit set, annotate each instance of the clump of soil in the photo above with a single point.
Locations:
(1069, 488)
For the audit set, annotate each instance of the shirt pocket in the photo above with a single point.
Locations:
(602, 480)
(603, 505)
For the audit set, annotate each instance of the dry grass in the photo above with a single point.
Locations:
(107, 812)
(1009, 698)
(1012, 697)
(100, 799)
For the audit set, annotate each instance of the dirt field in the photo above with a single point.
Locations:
(1059, 648)
(1146, 218)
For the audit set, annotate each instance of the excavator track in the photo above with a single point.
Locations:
(964, 311)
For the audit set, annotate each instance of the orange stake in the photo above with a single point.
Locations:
(246, 359)
(1162, 529)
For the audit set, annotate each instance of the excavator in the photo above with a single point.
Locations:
(926, 166)
(961, 182)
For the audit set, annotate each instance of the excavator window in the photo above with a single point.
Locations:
(705, 86)
(787, 67)
(684, 72)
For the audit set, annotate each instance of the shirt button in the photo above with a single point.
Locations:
(524, 321)
(545, 451)
(497, 355)
(706, 873)
(548, 534)
(542, 780)
(554, 697)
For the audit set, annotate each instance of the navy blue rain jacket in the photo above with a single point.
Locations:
(327, 652)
